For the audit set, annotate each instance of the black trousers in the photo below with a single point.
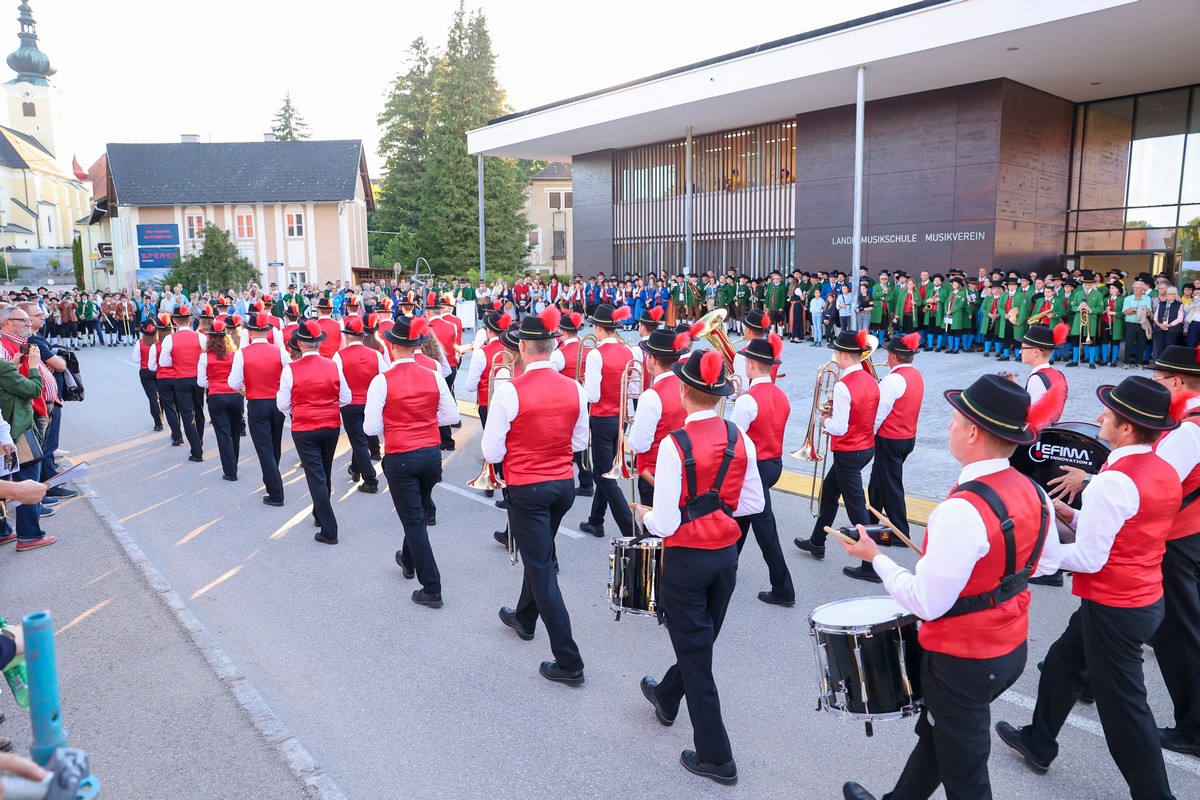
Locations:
(695, 592)
(1107, 642)
(645, 491)
(843, 481)
(150, 387)
(226, 412)
(608, 492)
(1135, 341)
(954, 736)
(190, 415)
(585, 476)
(766, 534)
(360, 450)
(445, 430)
(1177, 642)
(411, 477)
(265, 423)
(166, 397)
(535, 511)
(315, 449)
(886, 485)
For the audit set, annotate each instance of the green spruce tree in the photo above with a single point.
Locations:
(218, 267)
(77, 261)
(288, 125)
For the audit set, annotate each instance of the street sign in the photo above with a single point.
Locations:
(274, 263)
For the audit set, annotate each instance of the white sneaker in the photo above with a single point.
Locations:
(61, 453)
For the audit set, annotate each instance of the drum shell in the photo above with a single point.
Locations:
(1070, 444)
(634, 575)
(887, 678)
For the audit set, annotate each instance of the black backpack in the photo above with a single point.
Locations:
(72, 383)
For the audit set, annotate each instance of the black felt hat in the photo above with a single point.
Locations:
(324, 304)
(852, 341)
(766, 351)
(704, 370)
(755, 318)
(182, 311)
(408, 331)
(259, 321)
(498, 322)
(148, 328)
(540, 326)
(664, 342)
(571, 322)
(1179, 358)
(1042, 337)
(509, 339)
(206, 312)
(904, 345)
(651, 317)
(608, 317)
(219, 328)
(1140, 400)
(309, 331)
(997, 405)
(163, 323)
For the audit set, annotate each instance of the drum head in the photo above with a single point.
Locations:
(857, 612)
(627, 543)
(1067, 444)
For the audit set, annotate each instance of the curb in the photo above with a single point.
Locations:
(317, 784)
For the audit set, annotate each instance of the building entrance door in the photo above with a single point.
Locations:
(1131, 263)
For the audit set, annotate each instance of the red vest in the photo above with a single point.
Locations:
(614, 357)
(1056, 378)
(386, 325)
(902, 422)
(570, 354)
(144, 354)
(864, 402)
(427, 362)
(185, 353)
(315, 388)
(288, 330)
(672, 418)
(447, 334)
(360, 364)
(539, 440)
(217, 371)
(1187, 521)
(261, 368)
(718, 529)
(1132, 576)
(766, 431)
(410, 410)
(490, 351)
(995, 631)
(333, 341)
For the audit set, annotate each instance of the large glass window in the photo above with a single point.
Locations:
(1156, 152)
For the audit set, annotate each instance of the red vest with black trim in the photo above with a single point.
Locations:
(570, 354)
(217, 371)
(767, 429)
(718, 529)
(672, 418)
(410, 410)
(1053, 378)
(185, 353)
(360, 365)
(261, 368)
(333, 341)
(315, 389)
(901, 423)
(539, 439)
(447, 333)
(490, 351)
(144, 354)
(614, 357)
(1187, 521)
(864, 402)
(996, 631)
(1132, 576)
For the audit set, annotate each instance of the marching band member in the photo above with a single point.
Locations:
(660, 411)
(566, 360)
(762, 413)
(256, 369)
(180, 354)
(900, 394)
(969, 588)
(756, 324)
(695, 516)
(148, 343)
(448, 330)
(225, 406)
(164, 378)
(1039, 343)
(851, 429)
(1117, 554)
(539, 418)
(647, 324)
(482, 360)
(405, 406)
(333, 331)
(312, 389)
(1177, 641)
(359, 365)
(603, 367)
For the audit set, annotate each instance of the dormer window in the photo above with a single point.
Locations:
(28, 109)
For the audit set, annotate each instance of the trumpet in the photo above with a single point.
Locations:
(588, 342)
(816, 439)
(1085, 322)
(503, 369)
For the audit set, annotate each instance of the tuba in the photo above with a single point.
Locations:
(816, 439)
(714, 334)
(503, 368)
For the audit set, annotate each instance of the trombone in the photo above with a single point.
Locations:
(624, 466)
(503, 369)
(588, 342)
(816, 438)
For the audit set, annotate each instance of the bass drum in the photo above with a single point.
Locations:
(1067, 444)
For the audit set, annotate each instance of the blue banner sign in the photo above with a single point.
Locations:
(158, 235)
(157, 257)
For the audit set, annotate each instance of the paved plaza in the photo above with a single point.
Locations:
(363, 694)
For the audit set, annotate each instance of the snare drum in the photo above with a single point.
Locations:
(634, 575)
(1067, 444)
(868, 659)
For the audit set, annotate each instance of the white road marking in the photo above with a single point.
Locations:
(491, 503)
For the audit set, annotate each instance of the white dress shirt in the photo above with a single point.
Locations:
(151, 358)
(337, 358)
(237, 371)
(477, 368)
(1036, 386)
(377, 397)
(839, 422)
(1110, 499)
(745, 408)
(557, 358)
(593, 365)
(639, 357)
(164, 350)
(664, 519)
(739, 369)
(202, 371)
(646, 418)
(955, 539)
(891, 388)
(503, 410)
(1181, 447)
(284, 398)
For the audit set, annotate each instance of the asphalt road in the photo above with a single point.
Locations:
(397, 701)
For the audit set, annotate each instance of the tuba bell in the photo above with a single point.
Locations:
(714, 333)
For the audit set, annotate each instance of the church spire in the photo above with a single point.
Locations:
(30, 63)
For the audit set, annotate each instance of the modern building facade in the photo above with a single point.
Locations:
(1009, 133)
(548, 208)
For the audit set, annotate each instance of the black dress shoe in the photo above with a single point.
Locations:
(768, 597)
(269, 502)
(408, 572)
(551, 671)
(369, 488)
(725, 774)
(376, 456)
(229, 477)
(1092, 365)
(177, 443)
(648, 685)
(861, 573)
(158, 428)
(594, 530)
(509, 618)
(1004, 358)
(323, 539)
(424, 598)
(196, 459)
(354, 476)
(502, 504)
(816, 551)
(431, 521)
(581, 492)
(501, 537)
(1053, 579)
(1071, 364)
(1177, 742)
(1015, 738)
(852, 791)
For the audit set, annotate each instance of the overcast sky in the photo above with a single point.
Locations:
(147, 71)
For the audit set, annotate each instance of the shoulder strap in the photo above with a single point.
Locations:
(1045, 378)
(989, 496)
(689, 461)
(727, 458)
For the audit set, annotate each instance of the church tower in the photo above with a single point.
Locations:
(30, 98)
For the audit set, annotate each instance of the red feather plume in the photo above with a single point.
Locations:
(218, 326)
(1047, 408)
(655, 313)
(497, 305)
(354, 324)
(314, 330)
(1061, 331)
(694, 331)
(294, 309)
(777, 344)
(862, 339)
(372, 320)
(576, 319)
(550, 318)
(183, 311)
(621, 314)
(419, 325)
(504, 321)
(682, 342)
(711, 367)
(912, 341)
(1179, 405)
(258, 306)
(164, 319)
(237, 319)
(261, 320)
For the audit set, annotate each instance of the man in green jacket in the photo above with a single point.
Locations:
(1085, 338)
(883, 296)
(957, 314)
(776, 301)
(18, 392)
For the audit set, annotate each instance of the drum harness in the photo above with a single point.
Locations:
(1193, 495)
(1013, 581)
(696, 506)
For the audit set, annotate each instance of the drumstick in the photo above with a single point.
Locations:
(647, 477)
(840, 535)
(896, 530)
